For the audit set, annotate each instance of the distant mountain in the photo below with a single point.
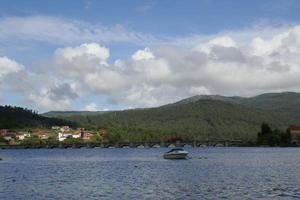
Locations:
(208, 97)
(71, 113)
(17, 117)
(286, 102)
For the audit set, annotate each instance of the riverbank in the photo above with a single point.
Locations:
(133, 145)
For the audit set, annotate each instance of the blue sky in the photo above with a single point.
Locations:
(38, 36)
(168, 17)
(163, 19)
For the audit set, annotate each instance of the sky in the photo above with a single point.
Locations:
(122, 54)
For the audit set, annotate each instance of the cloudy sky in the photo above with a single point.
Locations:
(103, 55)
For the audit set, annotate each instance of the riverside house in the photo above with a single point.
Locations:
(295, 134)
(7, 135)
(64, 128)
(42, 135)
(22, 135)
(65, 132)
(86, 135)
(64, 135)
(3, 132)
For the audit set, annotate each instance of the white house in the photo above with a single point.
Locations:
(64, 128)
(55, 127)
(62, 136)
(22, 135)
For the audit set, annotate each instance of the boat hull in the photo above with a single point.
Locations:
(175, 156)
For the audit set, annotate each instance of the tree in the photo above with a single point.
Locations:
(264, 137)
(265, 129)
(71, 141)
(275, 137)
(32, 141)
(3, 141)
(96, 138)
(285, 137)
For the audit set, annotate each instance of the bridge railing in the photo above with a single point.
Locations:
(198, 143)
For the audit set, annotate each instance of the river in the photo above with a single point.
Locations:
(132, 173)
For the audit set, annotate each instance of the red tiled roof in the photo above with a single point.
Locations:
(295, 128)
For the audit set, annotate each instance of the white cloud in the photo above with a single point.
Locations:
(90, 107)
(221, 64)
(43, 100)
(8, 66)
(145, 54)
(62, 31)
(105, 81)
(77, 61)
(89, 51)
(223, 41)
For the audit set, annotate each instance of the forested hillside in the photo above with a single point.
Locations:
(202, 119)
(287, 102)
(16, 117)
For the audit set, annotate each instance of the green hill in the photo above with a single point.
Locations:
(16, 117)
(199, 119)
(286, 102)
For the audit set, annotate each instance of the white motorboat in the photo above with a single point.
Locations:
(176, 153)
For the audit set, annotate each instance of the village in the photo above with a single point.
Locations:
(58, 133)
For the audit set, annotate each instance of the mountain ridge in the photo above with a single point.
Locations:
(279, 102)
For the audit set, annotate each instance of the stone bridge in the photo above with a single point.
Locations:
(217, 143)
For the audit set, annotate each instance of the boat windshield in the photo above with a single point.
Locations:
(175, 149)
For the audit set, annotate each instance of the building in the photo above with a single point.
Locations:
(9, 136)
(103, 132)
(85, 135)
(3, 132)
(55, 127)
(76, 135)
(64, 128)
(22, 135)
(295, 134)
(62, 136)
(42, 135)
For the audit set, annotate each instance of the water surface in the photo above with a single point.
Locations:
(211, 173)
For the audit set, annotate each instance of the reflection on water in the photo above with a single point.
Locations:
(211, 173)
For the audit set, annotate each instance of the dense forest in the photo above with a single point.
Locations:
(196, 120)
(285, 102)
(275, 137)
(18, 118)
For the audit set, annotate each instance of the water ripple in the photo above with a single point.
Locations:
(211, 173)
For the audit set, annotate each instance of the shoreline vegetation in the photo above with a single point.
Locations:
(65, 137)
(266, 137)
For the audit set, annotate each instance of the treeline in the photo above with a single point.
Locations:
(275, 137)
(18, 118)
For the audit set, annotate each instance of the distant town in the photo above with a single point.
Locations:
(52, 136)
